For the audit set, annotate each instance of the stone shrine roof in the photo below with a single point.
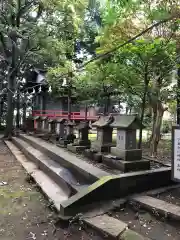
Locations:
(103, 121)
(126, 122)
(83, 125)
(69, 123)
(51, 120)
(60, 120)
(44, 118)
(36, 117)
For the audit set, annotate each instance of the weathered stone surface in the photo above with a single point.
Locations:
(164, 208)
(108, 225)
(89, 153)
(127, 155)
(131, 235)
(126, 166)
(76, 149)
(97, 157)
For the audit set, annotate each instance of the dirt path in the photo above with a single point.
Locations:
(24, 213)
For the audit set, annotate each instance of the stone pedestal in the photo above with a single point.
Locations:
(126, 166)
(93, 155)
(127, 155)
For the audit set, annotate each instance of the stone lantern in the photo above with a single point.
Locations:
(83, 142)
(44, 123)
(103, 142)
(126, 146)
(60, 128)
(126, 156)
(52, 125)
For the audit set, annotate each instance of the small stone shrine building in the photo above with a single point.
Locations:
(37, 123)
(126, 146)
(82, 142)
(60, 128)
(83, 129)
(52, 125)
(44, 123)
(103, 142)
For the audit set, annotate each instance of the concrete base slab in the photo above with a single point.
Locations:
(127, 155)
(153, 204)
(126, 166)
(76, 149)
(108, 225)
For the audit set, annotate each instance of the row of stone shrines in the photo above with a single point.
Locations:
(125, 147)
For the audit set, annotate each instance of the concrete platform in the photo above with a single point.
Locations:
(66, 159)
(60, 175)
(103, 186)
(126, 166)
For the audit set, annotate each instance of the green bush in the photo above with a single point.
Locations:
(166, 127)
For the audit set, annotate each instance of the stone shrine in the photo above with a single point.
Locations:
(125, 156)
(103, 142)
(60, 128)
(37, 123)
(44, 123)
(126, 146)
(82, 142)
(52, 125)
(69, 137)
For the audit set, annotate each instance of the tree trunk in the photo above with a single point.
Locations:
(24, 112)
(153, 125)
(18, 110)
(1, 110)
(10, 107)
(156, 135)
(146, 83)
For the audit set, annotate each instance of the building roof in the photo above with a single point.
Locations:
(126, 121)
(103, 121)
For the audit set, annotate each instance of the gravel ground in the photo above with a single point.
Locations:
(171, 196)
(148, 225)
(24, 212)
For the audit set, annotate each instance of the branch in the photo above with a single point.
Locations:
(129, 41)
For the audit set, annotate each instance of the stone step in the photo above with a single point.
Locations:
(66, 159)
(59, 174)
(54, 192)
(158, 206)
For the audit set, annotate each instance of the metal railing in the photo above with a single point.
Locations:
(63, 114)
